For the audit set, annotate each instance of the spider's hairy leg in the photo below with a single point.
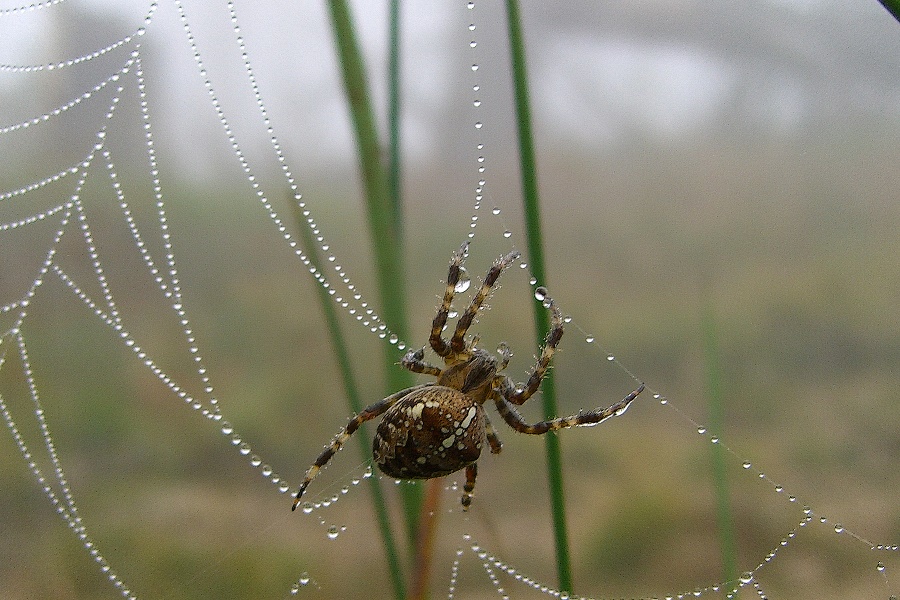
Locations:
(469, 487)
(413, 361)
(438, 343)
(367, 414)
(592, 417)
(457, 342)
(505, 355)
(492, 437)
(526, 391)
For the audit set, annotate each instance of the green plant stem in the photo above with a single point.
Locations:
(430, 507)
(716, 426)
(892, 6)
(355, 403)
(394, 164)
(383, 217)
(528, 168)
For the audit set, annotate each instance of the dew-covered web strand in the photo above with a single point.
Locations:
(61, 498)
(25, 8)
(166, 279)
(351, 300)
(109, 313)
(120, 43)
(749, 577)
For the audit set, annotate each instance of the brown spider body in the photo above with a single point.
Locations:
(431, 432)
(435, 429)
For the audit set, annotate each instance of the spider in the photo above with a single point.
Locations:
(438, 428)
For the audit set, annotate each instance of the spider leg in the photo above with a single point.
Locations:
(457, 342)
(522, 393)
(591, 417)
(438, 343)
(413, 361)
(505, 356)
(469, 487)
(492, 437)
(367, 414)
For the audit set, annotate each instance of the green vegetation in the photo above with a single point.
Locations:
(534, 238)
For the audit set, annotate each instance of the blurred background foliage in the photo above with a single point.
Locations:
(693, 155)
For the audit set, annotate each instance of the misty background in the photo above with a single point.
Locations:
(695, 157)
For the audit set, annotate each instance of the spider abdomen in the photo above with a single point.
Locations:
(428, 433)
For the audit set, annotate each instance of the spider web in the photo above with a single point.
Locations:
(100, 284)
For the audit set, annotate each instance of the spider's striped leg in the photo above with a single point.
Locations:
(524, 392)
(469, 487)
(492, 437)
(591, 417)
(438, 343)
(457, 342)
(367, 414)
(413, 361)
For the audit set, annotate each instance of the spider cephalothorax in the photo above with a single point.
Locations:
(434, 429)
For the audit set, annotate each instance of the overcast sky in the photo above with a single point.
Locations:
(601, 73)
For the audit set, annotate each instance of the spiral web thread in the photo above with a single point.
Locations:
(71, 218)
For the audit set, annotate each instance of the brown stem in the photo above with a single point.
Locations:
(425, 541)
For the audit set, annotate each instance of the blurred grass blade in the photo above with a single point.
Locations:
(892, 6)
(528, 168)
(310, 248)
(727, 542)
(384, 221)
(394, 164)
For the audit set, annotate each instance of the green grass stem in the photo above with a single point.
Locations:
(394, 159)
(355, 403)
(728, 546)
(528, 168)
(384, 220)
(892, 6)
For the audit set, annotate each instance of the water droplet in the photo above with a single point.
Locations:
(880, 567)
(452, 314)
(610, 358)
(333, 532)
(307, 507)
(589, 339)
(701, 430)
(746, 577)
(540, 293)
(507, 233)
(746, 464)
(714, 440)
(464, 281)
(394, 338)
(495, 210)
(838, 528)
